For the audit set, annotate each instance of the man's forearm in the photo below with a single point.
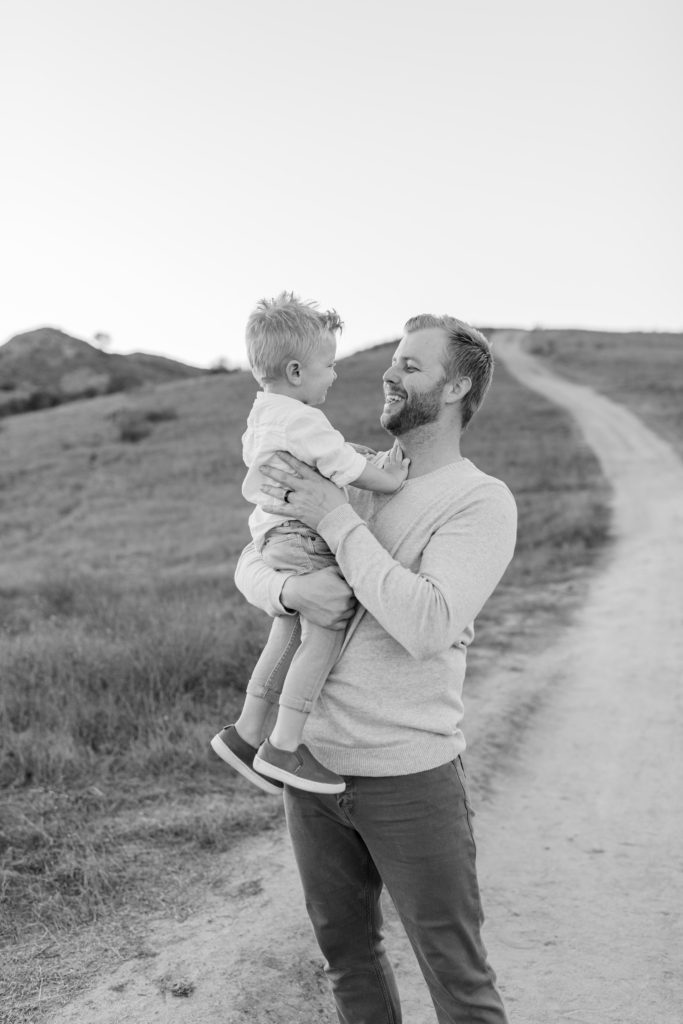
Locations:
(427, 610)
(261, 585)
(322, 597)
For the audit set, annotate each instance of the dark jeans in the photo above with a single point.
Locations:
(411, 833)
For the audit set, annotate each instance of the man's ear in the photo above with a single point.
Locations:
(293, 372)
(457, 389)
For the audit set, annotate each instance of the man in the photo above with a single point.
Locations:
(421, 564)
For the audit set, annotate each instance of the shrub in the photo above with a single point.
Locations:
(133, 429)
(136, 424)
(42, 398)
(160, 414)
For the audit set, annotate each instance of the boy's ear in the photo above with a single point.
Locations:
(293, 372)
(457, 389)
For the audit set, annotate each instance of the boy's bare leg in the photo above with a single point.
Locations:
(289, 727)
(310, 666)
(283, 756)
(255, 719)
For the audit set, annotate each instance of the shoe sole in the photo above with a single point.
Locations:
(309, 785)
(226, 754)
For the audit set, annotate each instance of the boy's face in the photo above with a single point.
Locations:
(317, 373)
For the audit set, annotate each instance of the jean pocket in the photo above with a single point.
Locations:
(315, 545)
(286, 551)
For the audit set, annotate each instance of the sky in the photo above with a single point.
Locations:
(167, 163)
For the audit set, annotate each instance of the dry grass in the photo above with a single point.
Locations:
(109, 681)
(123, 643)
(643, 371)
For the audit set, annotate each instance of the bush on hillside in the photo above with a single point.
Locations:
(136, 424)
(17, 401)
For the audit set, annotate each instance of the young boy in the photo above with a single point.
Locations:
(291, 347)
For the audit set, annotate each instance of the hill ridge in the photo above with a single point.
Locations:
(46, 366)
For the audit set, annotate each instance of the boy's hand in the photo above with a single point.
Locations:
(396, 465)
(363, 449)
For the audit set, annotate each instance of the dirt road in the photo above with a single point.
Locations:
(579, 844)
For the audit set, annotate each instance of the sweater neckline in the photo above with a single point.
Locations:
(448, 468)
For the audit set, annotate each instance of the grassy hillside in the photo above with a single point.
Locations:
(643, 371)
(123, 643)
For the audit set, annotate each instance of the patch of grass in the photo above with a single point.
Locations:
(103, 677)
(150, 850)
(74, 495)
(57, 874)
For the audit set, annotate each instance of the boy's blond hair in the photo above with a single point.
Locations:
(285, 328)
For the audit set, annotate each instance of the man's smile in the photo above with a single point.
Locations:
(391, 397)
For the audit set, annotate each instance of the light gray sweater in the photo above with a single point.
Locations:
(422, 563)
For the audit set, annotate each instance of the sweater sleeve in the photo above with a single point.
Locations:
(426, 611)
(261, 585)
(314, 440)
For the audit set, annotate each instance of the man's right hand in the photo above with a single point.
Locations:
(323, 597)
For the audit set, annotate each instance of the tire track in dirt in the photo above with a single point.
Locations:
(579, 842)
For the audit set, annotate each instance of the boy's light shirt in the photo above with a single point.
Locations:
(279, 423)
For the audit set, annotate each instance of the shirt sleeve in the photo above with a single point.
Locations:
(427, 611)
(315, 441)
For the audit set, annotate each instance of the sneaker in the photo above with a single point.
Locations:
(239, 754)
(297, 768)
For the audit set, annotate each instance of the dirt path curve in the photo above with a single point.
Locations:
(588, 832)
(580, 844)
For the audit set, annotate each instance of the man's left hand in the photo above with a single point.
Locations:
(300, 492)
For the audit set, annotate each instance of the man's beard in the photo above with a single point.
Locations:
(416, 411)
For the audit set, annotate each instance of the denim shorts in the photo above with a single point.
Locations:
(295, 547)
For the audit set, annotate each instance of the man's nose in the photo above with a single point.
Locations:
(390, 375)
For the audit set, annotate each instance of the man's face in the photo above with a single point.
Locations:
(414, 383)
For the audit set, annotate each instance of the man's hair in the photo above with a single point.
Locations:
(468, 354)
(285, 328)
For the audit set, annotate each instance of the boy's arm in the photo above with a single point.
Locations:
(312, 439)
(322, 597)
(387, 479)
